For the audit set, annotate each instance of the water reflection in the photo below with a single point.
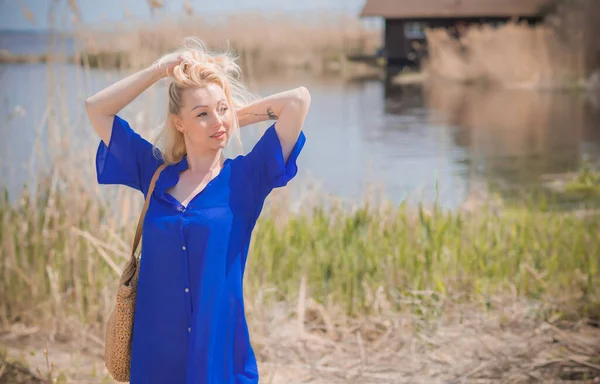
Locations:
(516, 136)
(400, 99)
(423, 141)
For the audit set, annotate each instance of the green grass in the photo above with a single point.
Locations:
(547, 256)
(586, 183)
(346, 255)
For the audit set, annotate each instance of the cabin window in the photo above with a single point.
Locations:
(415, 30)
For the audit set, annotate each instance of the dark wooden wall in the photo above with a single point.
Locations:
(396, 45)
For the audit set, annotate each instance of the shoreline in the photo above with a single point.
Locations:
(122, 60)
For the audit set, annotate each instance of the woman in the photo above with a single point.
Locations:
(190, 324)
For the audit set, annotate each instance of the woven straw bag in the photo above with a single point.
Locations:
(119, 327)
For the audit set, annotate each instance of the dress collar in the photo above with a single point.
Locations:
(170, 176)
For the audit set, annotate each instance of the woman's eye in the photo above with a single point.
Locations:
(202, 114)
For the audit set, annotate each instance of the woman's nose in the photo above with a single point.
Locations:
(218, 120)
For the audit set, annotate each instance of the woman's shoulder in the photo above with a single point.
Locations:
(238, 165)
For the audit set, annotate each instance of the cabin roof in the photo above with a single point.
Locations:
(418, 9)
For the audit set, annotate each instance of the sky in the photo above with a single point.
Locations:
(17, 14)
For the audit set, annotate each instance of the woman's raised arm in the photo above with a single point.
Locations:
(289, 108)
(104, 105)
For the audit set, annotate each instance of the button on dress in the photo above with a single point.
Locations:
(190, 324)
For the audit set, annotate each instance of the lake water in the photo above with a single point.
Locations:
(34, 42)
(420, 141)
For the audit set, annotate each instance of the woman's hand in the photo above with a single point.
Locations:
(166, 65)
(104, 105)
(289, 108)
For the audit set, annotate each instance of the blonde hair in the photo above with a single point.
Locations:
(199, 68)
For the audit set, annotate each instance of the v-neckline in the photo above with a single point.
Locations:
(201, 192)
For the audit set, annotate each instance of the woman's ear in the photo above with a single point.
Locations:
(178, 123)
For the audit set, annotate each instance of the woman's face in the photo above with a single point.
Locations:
(205, 118)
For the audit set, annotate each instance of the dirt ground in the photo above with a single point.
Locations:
(509, 344)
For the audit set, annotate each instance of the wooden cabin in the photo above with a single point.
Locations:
(406, 20)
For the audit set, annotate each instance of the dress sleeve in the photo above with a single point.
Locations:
(128, 159)
(266, 163)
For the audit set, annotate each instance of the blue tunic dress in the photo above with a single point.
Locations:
(190, 324)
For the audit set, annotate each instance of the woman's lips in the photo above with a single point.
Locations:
(218, 135)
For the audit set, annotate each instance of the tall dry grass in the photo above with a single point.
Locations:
(265, 42)
(562, 51)
(514, 55)
(576, 23)
(62, 252)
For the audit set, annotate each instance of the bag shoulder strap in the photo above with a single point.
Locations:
(138, 231)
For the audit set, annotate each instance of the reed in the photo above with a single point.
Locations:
(560, 52)
(537, 59)
(265, 42)
(62, 253)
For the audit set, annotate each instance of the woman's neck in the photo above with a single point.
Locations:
(200, 163)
